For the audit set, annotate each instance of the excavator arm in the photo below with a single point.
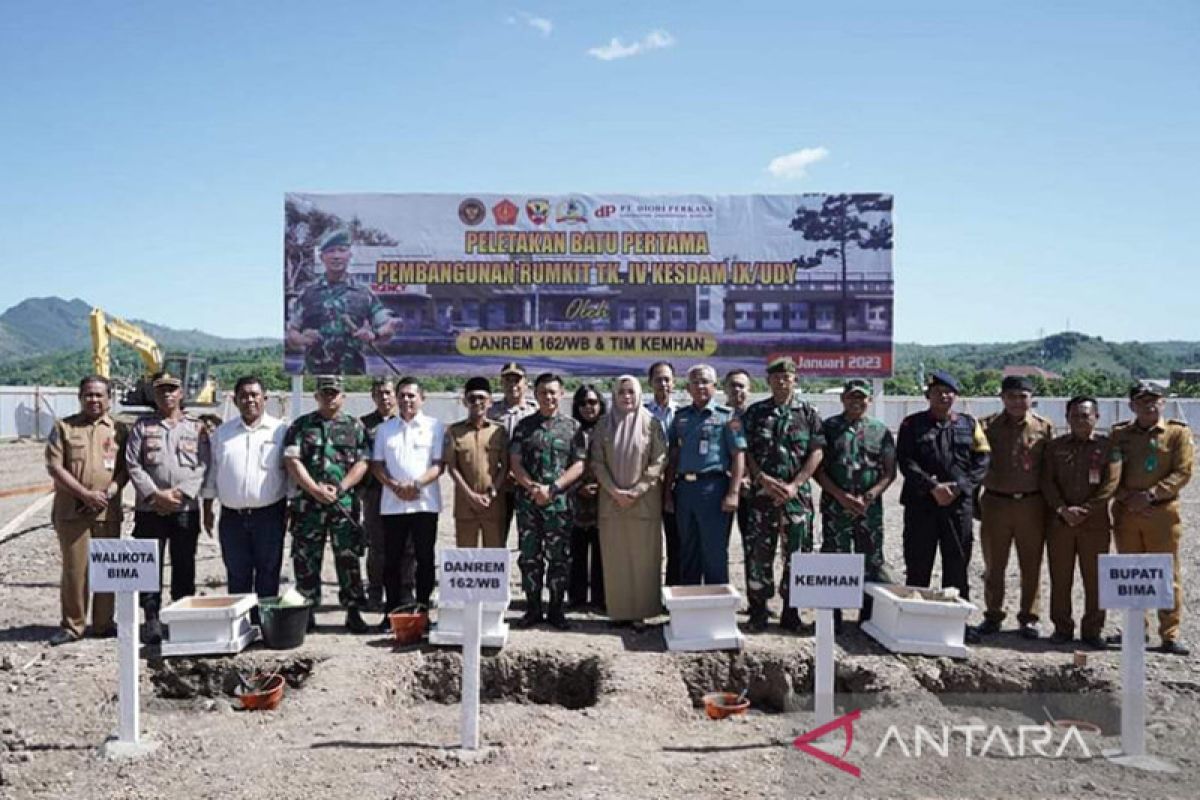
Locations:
(105, 328)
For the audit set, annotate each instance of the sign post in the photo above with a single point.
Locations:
(1136, 583)
(125, 567)
(825, 581)
(472, 576)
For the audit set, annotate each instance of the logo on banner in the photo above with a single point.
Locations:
(804, 742)
(471, 211)
(606, 211)
(538, 210)
(505, 212)
(572, 211)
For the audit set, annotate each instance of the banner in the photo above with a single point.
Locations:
(587, 284)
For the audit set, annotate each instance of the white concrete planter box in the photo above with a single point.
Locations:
(905, 619)
(702, 617)
(211, 624)
(449, 628)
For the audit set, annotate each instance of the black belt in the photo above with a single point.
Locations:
(248, 511)
(1014, 496)
(692, 477)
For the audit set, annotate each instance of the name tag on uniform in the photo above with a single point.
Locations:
(704, 446)
(1094, 476)
(110, 463)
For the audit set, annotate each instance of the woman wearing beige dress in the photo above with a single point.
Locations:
(628, 454)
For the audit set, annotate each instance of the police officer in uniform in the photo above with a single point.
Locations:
(333, 318)
(546, 456)
(784, 447)
(858, 467)
(326, 454)
(1156, 463)
(943, 456)
(1012, 509)
(510, 409)
(706, 460)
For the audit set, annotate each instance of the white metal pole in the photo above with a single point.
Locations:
(1133, 683)
(297, 390)
(823, 679)
(127, 654)
(472, 623)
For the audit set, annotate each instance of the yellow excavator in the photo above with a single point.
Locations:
(199, 389)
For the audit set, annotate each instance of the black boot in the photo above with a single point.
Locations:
(789, 620)
(556, 618)
(355, 623)
(758, 617)
(837, 620)
(533, 613)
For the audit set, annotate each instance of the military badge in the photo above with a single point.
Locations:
(471, 211)
(538, 210)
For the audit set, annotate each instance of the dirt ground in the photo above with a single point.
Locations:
(595, 712)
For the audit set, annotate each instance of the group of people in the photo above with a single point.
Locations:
(601, 492)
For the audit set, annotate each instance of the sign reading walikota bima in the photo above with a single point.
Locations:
(593, 284)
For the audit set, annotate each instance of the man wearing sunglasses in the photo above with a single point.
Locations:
(476, 453)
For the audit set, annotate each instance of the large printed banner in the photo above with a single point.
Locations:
(587, 284)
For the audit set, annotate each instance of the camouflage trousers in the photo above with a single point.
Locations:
(768, 526)
(842, 532)
(545, 541)
(310, 524)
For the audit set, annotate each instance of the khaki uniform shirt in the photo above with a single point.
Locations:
(476, 454)
(1079, 472)
(94, 453)
(1158, 459)
(1017, 446)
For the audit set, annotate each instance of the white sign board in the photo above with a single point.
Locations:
(123, 565)
(1137, 581)
(473, 575)
(826, 580)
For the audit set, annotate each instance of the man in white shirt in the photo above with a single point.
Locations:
(407, 460)
(248, 477)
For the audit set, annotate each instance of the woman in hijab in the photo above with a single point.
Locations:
(628, 456)
(587, 567)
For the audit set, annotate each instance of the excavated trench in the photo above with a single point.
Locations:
(190, 678)
(573, 681)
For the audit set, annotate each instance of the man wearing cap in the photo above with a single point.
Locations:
(858, 467)
(476, 453)
(85, 457)
(513, 406)
(333, 318)
(1156, 463)
(326, 454)
(1012, 509)
(706, 460)
(167, 454)
(785, 443)
(661, 376)
(1079, 479)
(545, 457)
(943, 456)
(383, 394)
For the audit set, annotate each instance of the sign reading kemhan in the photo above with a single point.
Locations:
(1137, 581)
(826, 580)
(473, 575)
(123, 565)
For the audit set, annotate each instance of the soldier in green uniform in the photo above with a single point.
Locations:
(858, 467)
(784, 447)
(546, 456)
(326, 454)
(333, 317)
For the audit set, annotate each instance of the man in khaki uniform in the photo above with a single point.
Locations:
(1079, 478)
(1012, 509)
(476, 455)
(85, 457)
(1156, 463)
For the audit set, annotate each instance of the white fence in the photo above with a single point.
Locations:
(29, 412)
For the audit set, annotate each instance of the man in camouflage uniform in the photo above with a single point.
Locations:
(333, 317)
(326, 455)
(784, 447)
(858, 467)
(545, 458)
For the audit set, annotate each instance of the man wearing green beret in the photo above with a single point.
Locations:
(333, 319)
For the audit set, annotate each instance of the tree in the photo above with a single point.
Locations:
(840, 220)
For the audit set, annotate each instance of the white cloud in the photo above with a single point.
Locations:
(540, 24)
(795, 165)
(654, 40)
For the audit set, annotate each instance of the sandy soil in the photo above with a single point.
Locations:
(594, 712)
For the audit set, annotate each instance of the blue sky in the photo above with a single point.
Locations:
(1042, 155)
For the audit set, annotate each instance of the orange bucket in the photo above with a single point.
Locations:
(408, 628)
(267, 694)
(719, 705)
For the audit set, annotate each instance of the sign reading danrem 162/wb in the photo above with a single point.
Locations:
(601, 284)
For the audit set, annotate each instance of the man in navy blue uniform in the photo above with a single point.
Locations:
(943, 455)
